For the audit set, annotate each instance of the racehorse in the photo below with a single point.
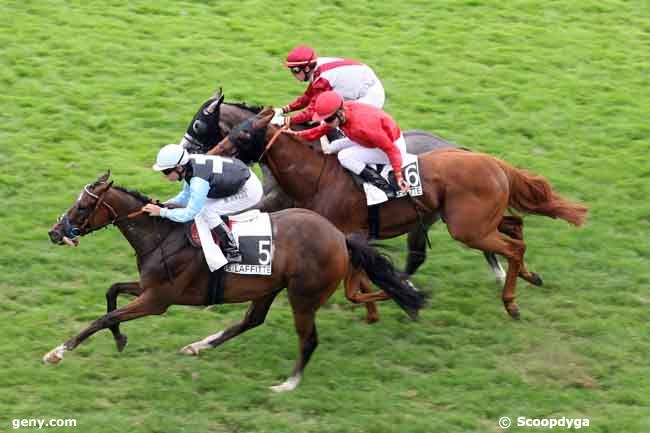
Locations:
(469, 191)
(215, 119)
(310, 258)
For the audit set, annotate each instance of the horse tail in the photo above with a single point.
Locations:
(382, 272)
(533, 194)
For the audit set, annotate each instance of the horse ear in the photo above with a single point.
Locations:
(263, 118)
(218, 94)
(104, 177)
(266, 111)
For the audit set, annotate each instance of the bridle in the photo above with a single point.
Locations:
(70, 231)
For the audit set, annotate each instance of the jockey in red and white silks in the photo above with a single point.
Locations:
(353, 80)
(372, 137)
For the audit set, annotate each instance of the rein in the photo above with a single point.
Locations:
(272, 141)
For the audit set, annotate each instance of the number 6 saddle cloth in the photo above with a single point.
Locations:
(410, 172)
(254, 235)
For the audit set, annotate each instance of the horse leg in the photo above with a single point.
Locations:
(355, 282)
(144, 305)
(513, 226)
(417, 248)
(254, 316)
(513, 250)
(112, 293)
(494, 264)
(372, 314)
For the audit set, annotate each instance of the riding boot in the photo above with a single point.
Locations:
(370, 175)
(227, 243)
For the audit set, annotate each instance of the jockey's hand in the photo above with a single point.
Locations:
(151, 209)
(403, 185)
(278, 118)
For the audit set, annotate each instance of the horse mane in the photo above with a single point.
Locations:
(244, 106)
(133, 193)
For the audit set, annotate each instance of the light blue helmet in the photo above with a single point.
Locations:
(170, 156)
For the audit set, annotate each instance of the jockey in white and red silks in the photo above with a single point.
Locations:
(353, 80)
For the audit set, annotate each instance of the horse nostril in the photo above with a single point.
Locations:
(55, 236)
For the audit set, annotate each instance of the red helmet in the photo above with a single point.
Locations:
(302, 55)
(326, 105)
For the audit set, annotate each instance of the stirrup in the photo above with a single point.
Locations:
(370, 175)
(228, 244)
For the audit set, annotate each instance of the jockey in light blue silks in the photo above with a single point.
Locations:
(212, 186)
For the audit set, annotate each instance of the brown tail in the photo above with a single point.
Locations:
(533, 194)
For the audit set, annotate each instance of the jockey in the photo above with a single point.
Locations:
(212, 186)
(354, 81)
(372, 137)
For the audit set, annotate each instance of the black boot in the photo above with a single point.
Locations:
(370, 175)
(227, 243)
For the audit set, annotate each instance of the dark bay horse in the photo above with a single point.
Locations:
(469, 191)
(311, 257)
(215, 119)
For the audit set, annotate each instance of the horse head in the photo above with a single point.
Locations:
(204, 130)
(247, 140)
(90, 212)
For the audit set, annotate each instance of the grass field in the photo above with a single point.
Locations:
(559, 88)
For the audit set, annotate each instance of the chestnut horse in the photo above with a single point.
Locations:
(215, 119)
(469, 191)
(311, 257)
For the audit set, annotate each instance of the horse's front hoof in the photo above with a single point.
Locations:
(54, 356)
(190, 350)
(120, 342)
(535, 279)
(370, 319)
(512, 309)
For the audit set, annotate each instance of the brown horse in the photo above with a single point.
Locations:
(311, 257)
(215, 119)
(469, 191)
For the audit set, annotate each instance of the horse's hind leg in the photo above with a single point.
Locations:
(417, 248)
(513, 226)
(254, 316)
(112, 293)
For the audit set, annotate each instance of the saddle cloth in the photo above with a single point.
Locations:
(410, 172)
(254, 235)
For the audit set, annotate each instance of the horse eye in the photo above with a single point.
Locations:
(199, 127)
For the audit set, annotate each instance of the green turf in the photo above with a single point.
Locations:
(559, 88)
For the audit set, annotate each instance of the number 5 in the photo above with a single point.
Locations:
(264, 252)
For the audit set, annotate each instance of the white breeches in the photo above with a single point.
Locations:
(210, 217)
(374, 95)
(355, 157)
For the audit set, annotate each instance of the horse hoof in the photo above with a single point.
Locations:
(289, 385)
(54, 356)
(514, 313)
(536, 280)
(121, 342)
(371, 319)
(190, 350)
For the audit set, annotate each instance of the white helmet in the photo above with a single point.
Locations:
(170, 156)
